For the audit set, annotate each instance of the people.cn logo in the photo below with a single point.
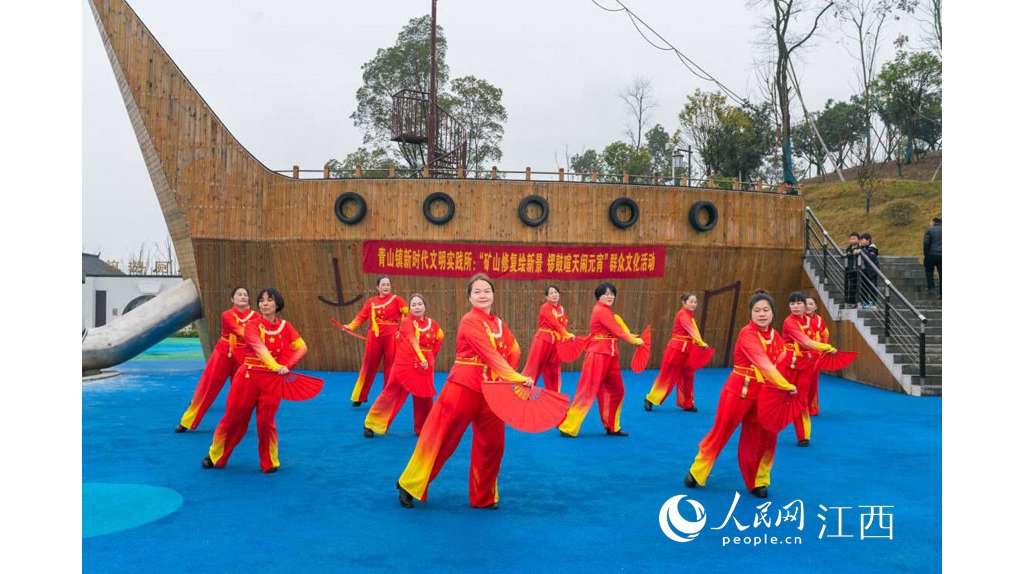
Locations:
(675, 526)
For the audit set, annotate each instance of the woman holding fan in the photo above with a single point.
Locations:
(797, 361)
(758, 345)
(552, 327)
(601, 375)
(484, 346)
(384, 312)
(272, 346)
(675, 364)
(420, 339)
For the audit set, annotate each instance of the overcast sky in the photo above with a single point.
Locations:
(283, 76)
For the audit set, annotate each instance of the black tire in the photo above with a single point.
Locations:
(695, 210)
(614, 208)
(545, 209)
(360, 208)
(444, 198)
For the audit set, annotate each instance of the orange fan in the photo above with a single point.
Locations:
(699, 356)
(346, 329)
(529, 409)
(415, 379)
(570, 349)
(290, 387)
(835, 361)
(642, 353)
(776, 408)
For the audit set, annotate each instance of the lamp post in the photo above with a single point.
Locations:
(677, 154)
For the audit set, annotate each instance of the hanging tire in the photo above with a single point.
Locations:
(614, 216)
(443, 198)
(695, 211)
(339, 211)
(524, 205)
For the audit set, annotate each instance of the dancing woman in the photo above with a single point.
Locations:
(552, 327)
(818, 332)
(384, 312)
(675, 368)
(601, 375)
(797, 360)
(224, 360)
(757, 347)
(483, 346)
(272, 346)
(420, 339)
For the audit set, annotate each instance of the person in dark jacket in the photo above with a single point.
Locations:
(933, 254)
(868, 248)
(852, 251)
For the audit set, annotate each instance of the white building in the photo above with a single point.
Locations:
(107, 293)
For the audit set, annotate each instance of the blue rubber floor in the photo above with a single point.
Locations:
(866, 495)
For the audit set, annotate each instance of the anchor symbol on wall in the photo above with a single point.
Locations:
(341, 302)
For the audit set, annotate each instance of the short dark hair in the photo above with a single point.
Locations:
(603, 288)
(855, 234)
(479, 277)
(274, 294)
(415, 295)
(761, 295)
(381, 278)
(686, 296)
(937, 220)
(865, 236)
(235, 291)
(797, 296)
(549, 288)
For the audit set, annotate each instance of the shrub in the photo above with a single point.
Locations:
(900, 212)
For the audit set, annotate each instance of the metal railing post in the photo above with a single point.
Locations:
(921, 355)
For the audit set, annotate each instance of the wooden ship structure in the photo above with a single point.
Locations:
(323, 242)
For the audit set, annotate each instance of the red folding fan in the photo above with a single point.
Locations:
(835, 361)
(290, 387)
(642, 352)
(698, 356)
(776, 408)
(343, 327)
(415, 379)
(570, 349)
(529, 409)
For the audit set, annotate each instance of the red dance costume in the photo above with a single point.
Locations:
(384, 314)
(675, 370)
(552, 327)
(224, 361)
(419, 341)
(796, 364)
(269, 346)
(753, 367)
(818, 332)
(600, 375)
(485, 349)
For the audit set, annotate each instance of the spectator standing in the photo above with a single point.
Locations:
(852, 251)
(933, 254)
(868, 248)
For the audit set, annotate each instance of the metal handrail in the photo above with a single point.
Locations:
(904, 326)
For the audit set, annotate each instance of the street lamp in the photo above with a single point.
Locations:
(677, 155)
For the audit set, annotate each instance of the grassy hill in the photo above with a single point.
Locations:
(901, 207)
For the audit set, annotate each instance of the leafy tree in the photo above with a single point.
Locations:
(698, 120)
(659, 146)
(905, 88)
(406, 65)
(743, 138)
(374, 163)
(806, 145)
(476, 104)
(586, 162)
(620, 157)
(841, 125)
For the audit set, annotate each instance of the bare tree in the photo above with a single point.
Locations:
(929, 14)
(639, 98)
(787, 41)
(863, 22)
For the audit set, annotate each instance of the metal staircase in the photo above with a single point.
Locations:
(904, 327)
(410, 114)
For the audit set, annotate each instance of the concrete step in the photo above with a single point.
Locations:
(933, 369)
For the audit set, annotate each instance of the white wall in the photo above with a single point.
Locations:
(120, 292)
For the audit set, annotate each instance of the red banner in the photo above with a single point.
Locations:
(512, 261)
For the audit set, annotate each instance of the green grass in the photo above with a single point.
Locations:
(841, 209)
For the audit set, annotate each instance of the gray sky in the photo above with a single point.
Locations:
(283, 77)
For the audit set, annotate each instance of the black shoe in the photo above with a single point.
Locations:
(180, 428)
(357, 403)
(760, 492)
(566, 435)
(367, 432)
(805, 442)
(404, 498)
(692, 409)
(619, 432)
(648, 405)
(271, 470)
(491, 506)
(208, 462)
(689, 481)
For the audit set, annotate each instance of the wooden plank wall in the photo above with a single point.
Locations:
(233, 221)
